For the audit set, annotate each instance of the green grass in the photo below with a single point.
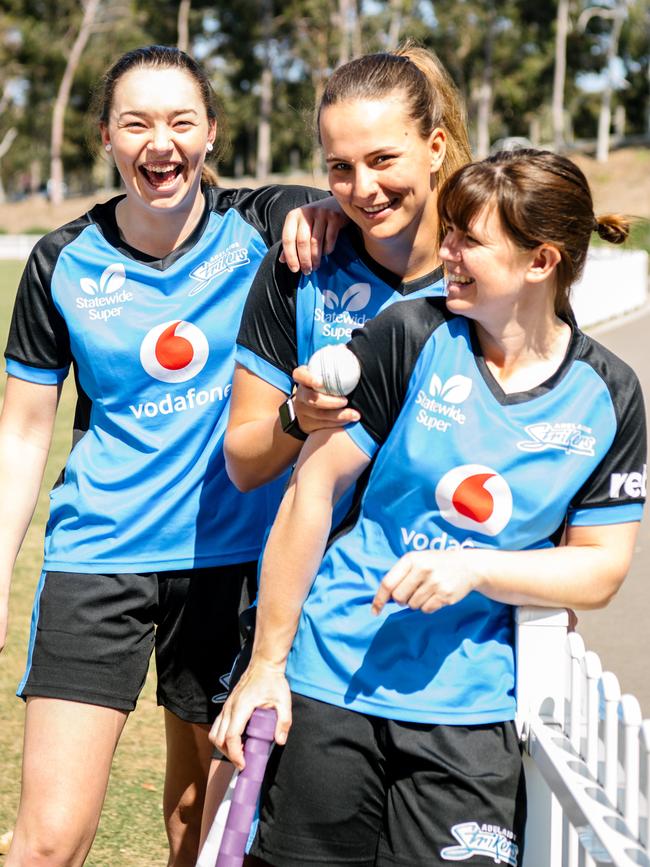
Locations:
(131, 832)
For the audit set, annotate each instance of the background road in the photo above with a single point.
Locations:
(620, 633)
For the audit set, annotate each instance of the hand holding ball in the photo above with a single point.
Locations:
(337, 368)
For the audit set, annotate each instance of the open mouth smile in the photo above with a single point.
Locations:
(160, 175)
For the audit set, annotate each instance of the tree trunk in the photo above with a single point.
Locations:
(559, 75)
(184, 25)
(357, 39)
(485, 91)
(263, 164)
(263, 161)
(5, 144)
(61, 101)
(605, 116)
(395, 25)
(345, 30)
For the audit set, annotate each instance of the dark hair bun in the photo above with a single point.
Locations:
(613, 228)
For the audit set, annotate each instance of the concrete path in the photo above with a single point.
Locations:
(620, 633)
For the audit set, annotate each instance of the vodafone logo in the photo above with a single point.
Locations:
(174, 351)
(476, 498)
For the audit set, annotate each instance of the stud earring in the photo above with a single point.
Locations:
(209, 147)
(108, 147)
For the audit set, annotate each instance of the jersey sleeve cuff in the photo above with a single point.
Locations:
(361, 438)
(39, 375)
(622, 514)
(264, 369)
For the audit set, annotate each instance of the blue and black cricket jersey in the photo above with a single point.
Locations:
(458, 463)
(152, 344)
(289, 316)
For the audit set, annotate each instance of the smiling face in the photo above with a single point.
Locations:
(381, 170)
(487, 273)
(158, 129)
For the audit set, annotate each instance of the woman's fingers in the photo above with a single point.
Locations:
(309, 233)
(297, 239)
(390, 582)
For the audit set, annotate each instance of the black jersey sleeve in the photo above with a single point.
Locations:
(268, 325)
(388, 348)
(38, 335)
(620, 478)
(266, 207)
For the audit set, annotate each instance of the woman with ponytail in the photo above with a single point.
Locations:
(499, 460)
(149, 545)
(392, 129)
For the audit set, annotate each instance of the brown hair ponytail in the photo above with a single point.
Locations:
(613, 228)
(441, 106)
(430, 97)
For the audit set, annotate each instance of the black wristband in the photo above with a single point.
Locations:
(289, 420)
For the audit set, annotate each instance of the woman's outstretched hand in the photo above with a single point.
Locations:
(261, 685)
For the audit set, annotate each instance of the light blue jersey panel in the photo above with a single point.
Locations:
(146, 487)
(344, 294)
(428, 491)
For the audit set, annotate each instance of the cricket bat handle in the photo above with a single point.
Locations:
(257, 747)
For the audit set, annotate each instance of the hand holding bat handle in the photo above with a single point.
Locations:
(257, 747)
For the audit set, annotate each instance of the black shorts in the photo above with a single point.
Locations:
(92, 636)
(353, 789)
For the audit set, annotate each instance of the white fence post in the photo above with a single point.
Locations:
(587, 752)
(541, 655)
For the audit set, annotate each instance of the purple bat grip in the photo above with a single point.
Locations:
(257, 747)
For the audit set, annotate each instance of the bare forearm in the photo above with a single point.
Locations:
(291, 560)
(572, 577)
(258, 451)
(585, 573)
(22, 464)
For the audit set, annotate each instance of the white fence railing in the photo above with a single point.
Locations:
(613, 283)
(587, 752)
(17, 246)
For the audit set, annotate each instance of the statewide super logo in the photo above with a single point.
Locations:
(354, 298)
(342, 314)
(442, 405)
(104, 299)
(174, 351)
(476, 498)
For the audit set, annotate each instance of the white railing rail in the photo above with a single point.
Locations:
(17, 246)
(587, 752)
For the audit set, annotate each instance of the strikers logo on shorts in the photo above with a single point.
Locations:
(174, 351)
(475, 498)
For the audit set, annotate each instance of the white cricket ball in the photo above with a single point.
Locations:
(337, 368)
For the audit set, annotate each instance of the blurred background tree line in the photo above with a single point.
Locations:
(560, 72)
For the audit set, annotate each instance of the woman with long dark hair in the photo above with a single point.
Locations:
(149, 545)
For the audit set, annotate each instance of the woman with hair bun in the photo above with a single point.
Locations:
(490, 429)
(149, 545)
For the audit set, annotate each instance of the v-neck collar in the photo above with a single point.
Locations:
(515, 397)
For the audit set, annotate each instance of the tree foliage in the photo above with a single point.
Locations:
(501, 54)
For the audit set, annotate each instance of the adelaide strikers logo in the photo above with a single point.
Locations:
(475, 498)
(174, 351)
